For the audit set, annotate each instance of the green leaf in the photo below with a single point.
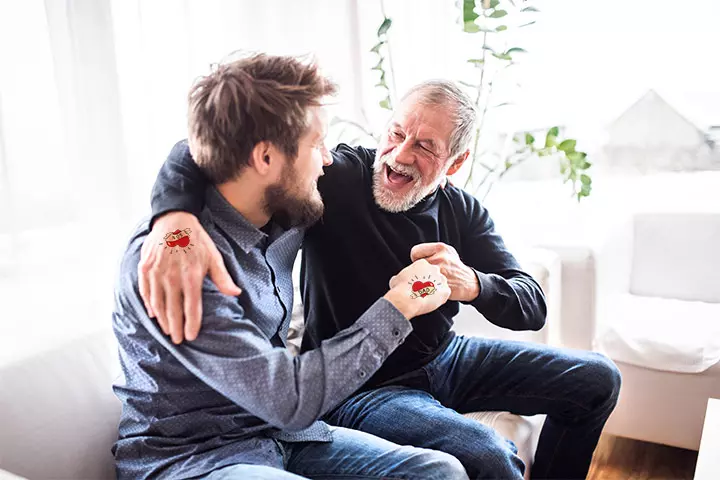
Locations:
(516, 49)
(381, 83)
(386, 104)
(529, 9)
(469, 17)
(554, 131)
(550, 140)
(585, 165)
(376, 48)
(508, 164)
(498, 14)
(529, 139)
(384, 27)
(379, 65)
(471, 28)
(476, 61)
(501, 28)
(502, 56)
(586, 180)
(576, 156)
(488, 48)
(567, 146)
(494, 3)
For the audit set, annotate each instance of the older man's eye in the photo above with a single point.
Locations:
(426, 149)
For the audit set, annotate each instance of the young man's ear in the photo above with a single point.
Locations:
(458, 162)
(261, 158)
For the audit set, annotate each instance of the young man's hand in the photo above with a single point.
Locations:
(171, 272)
(418, 289)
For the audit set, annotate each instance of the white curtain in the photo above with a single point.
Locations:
(92, 98)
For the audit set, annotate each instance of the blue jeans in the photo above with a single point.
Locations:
(576, 389)
(351, 455)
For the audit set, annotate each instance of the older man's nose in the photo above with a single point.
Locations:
(403, 154)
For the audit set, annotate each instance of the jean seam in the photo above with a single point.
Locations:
(557, 445)
(536, 397)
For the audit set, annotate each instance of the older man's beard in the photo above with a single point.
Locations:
(393, 201)
(291, 208)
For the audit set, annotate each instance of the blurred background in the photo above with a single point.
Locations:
(594, 115)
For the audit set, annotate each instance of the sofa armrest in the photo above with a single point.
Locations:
(544, 266)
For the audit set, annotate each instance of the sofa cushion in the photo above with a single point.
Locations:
(58, 412)
(676, 255)
(662, 334)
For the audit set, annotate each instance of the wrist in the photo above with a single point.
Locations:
(401, 302)
(473, 286)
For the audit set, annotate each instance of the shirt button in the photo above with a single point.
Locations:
(396, 333)
(362, 373)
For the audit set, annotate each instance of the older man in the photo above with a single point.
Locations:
(384, 209)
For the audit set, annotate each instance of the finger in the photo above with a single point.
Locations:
(174, 309)
(192, 303)
(436, 259)
(157, 302)
(423, 250)
(393, 281)
(220, 276)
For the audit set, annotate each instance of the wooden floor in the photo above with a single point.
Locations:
(619, 458)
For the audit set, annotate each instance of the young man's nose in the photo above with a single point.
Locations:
(327, 158)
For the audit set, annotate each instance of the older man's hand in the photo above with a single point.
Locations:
(171, 277)
(463, 282)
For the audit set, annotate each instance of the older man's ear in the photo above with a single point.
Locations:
(457, 163)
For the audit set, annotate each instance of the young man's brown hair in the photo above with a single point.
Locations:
(248, 100)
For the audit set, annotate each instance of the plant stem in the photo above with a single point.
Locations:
(393, 94)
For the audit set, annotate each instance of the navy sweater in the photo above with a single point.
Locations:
(350, 255)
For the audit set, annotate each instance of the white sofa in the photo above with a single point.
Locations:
(59, 416)
(658, 317)
(648, 295)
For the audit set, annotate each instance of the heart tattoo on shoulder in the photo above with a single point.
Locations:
(178, 240)
(422, 287)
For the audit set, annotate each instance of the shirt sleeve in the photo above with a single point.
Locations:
(509, 297)
(234, 357)
(180, 184)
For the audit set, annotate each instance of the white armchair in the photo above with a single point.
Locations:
(658, 317)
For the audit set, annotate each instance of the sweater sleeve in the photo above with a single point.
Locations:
(509, 297)
(180, 184)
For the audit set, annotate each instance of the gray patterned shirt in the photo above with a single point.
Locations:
(228, 396)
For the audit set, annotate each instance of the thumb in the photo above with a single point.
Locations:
(424, 250)
(220, 276)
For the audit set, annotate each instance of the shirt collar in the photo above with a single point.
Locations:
(224, 215)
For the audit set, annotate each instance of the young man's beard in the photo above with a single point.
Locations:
(288, 208)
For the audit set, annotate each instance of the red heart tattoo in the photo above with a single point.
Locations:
(423, 289)
(178, 238)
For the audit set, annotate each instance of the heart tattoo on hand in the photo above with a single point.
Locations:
(422, 289)
(178, 238)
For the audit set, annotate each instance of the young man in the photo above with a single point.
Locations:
(235, 403)
(384, 209)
